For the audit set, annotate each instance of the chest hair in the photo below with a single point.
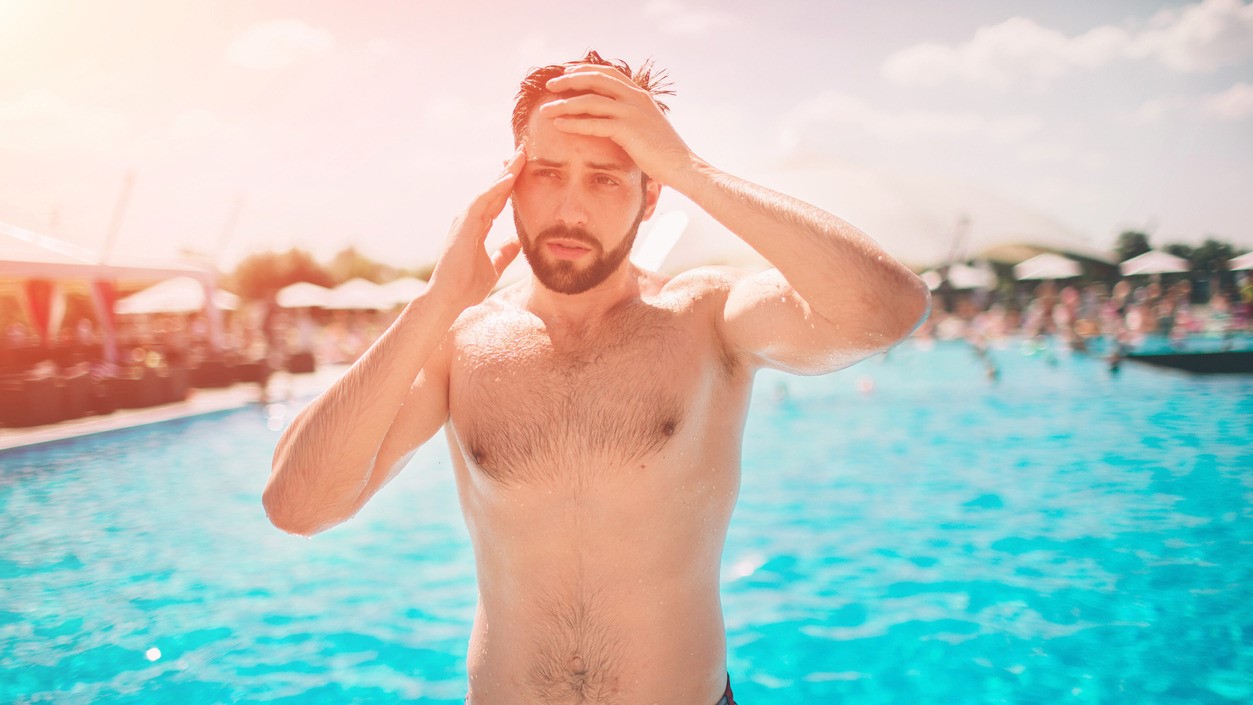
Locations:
(539, 408)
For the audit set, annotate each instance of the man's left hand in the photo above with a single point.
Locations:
(616, 108)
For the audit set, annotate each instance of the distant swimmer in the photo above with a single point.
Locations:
(594, 411)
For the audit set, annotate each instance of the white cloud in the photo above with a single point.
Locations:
(41, 120)
(278, 44)
(675, 18)
(840, 111)
(1001, 55)
(1235, 103)
(1154, 111)
(1199, 37)
(849, 124)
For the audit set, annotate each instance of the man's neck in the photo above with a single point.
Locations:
(575, 312)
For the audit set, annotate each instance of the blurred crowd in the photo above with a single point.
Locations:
(175, 351)
(1125, 313)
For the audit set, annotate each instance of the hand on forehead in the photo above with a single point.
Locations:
(602, 80)
(545, 143)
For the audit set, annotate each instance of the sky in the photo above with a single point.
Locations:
(245, 126)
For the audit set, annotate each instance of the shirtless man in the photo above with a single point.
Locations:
(594, 412)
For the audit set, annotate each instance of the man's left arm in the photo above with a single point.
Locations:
(834, 296)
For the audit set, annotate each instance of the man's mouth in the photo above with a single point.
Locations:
(567, 249)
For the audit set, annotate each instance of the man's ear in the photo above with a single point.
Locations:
(652, 191)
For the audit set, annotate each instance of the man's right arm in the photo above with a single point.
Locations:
(353, 438)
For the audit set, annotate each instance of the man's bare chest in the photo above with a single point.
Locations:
(533, 406)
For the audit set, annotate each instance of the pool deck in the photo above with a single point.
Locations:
(282, 386)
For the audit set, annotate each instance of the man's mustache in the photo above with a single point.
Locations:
(566, 232)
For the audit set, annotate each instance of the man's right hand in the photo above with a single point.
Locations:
(466, 273)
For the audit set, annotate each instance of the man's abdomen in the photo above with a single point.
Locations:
(598, 642)
(609, 594)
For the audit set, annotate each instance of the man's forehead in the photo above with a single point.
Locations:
(547, 145)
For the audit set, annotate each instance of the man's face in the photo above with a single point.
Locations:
(577, 206)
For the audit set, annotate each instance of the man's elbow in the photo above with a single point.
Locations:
(915, 307)
(285, 519)
(896, 315)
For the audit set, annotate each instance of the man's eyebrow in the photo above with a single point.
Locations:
(598, 166)
(607, 166)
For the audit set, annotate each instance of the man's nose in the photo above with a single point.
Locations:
(572, 207)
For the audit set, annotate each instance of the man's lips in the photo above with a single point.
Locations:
(567, 249)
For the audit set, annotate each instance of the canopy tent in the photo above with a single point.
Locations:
(1154, 262)
(922, 220)
(45, 263)
(176, 295)
(1241, 263)
(1047, 266)
(29, 255)
(303, 295)
(961, 277)
(359, 294)
(403, 290)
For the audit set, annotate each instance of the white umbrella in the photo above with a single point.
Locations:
(961, 277)
(1242, 262)
(1047, 266)
(932, 279)
(358, 294)
(1154, 262)
(303, 295)
(403, 290)
(176, 295)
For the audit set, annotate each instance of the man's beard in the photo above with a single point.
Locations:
(566, 276)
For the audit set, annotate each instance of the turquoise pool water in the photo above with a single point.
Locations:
(907, 532)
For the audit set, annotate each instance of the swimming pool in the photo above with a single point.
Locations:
(907, 532)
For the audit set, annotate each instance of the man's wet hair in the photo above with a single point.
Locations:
(533, 92)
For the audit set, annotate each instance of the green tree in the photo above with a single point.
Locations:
(261, 275)
(423, 272)
(1179, 249)
(350, 264)
(1131, 243)
(1212, 255)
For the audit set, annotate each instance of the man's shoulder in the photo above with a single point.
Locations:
(505, 301)
(703, 283)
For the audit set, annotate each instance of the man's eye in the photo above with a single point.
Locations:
(544, 173)
(606, 181)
